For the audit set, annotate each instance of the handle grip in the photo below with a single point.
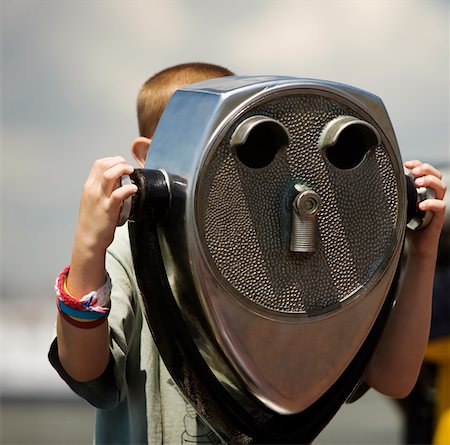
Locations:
(152, 199)
(417, 219)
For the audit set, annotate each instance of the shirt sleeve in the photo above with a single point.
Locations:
(124, 319)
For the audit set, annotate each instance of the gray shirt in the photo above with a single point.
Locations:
(136, 400)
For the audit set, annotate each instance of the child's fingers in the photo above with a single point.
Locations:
(433, 182)
(115, 172)
(422, 168)
(411, 164)
(120, 194)
(100, 166)
(433, 205)
(106, 163)
(112, 175)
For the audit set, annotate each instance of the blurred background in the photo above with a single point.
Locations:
(70, 73)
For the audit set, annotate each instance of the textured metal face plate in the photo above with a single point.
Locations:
(244, 215)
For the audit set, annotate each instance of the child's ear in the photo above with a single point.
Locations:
(139, 149)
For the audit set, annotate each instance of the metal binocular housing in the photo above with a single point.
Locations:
(266, 235)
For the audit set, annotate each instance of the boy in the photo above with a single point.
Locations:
(115, 364)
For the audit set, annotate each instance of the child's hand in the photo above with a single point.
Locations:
(101, 201)
(425, 242)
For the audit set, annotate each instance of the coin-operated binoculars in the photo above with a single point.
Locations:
(266, 235)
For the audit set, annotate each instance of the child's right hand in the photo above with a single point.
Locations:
(101, 202)
(84, 353)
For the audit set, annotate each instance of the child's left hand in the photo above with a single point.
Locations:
(424, 242)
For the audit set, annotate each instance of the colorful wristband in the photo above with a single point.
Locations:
(82, 315)
(95, 301)
(90, 311)
(82, 324)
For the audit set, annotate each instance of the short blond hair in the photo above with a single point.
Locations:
(157, 90)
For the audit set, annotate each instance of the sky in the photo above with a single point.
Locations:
(71, 70)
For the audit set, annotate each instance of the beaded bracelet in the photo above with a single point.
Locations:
(87, 312)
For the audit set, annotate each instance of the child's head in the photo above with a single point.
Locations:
(156, 92)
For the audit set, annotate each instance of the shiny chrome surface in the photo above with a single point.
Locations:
(304, 226)
(346, 141)
(280, 324)
(125, 210)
